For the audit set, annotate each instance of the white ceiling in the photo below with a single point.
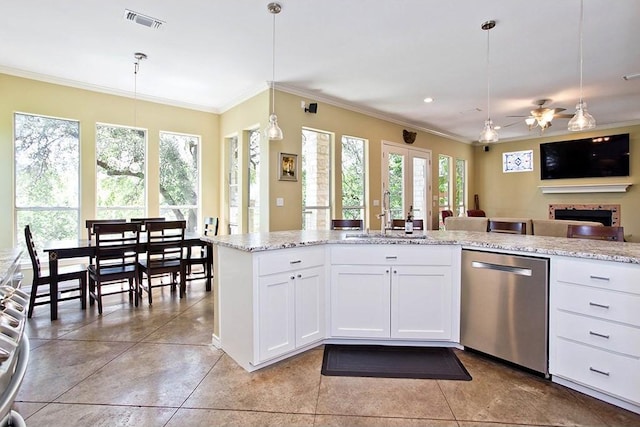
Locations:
(381, 57)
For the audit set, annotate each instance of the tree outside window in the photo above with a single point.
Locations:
(353, 178)
(120, 154)
(179, 178)
(444, 185)
(461, 187)
(253, 213)
(47, 172)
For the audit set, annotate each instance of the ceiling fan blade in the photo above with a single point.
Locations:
(511, 124)
(558, 110)
(516, 116)
(562, 116)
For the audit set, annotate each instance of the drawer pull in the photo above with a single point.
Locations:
(595, 304)
(598, 371)
(598, 335)
(599, 278)
(295, 262)
(391, 257)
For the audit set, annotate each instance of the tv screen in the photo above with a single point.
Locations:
(585, 158)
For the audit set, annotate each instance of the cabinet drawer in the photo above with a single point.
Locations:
(290, 259)
(599, 333)
(608, 372)
(609, 305)
(391, 254)
(600, 274)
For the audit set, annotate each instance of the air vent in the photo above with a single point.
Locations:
(141, 19)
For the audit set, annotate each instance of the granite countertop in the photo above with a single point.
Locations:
(8, 258)
(542, 245)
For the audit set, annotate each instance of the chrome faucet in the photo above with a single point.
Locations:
(385, 215)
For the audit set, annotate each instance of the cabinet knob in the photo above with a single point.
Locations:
(293, 277)
(395, 271)
(299, 276)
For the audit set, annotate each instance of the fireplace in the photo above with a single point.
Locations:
(606, 214)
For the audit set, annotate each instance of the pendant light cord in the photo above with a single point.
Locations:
(136, 66)
(581, 56)
(273, 69)
(488, 78)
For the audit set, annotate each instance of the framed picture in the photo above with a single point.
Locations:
(288, 167)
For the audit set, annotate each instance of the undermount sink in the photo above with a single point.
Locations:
(384, 236)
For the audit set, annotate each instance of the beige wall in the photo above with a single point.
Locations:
(517, 194)
(339, 121)
(35, 97)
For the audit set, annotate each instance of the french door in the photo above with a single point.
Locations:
(406, 174)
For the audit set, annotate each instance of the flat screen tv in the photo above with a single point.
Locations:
(585, 158)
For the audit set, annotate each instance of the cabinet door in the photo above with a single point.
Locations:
(275, 319)
(421, 302)
(360, 301)
(310, 307)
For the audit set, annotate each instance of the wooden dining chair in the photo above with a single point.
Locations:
(398, 224)
(595, 232)
(91, 222)
(71, 273)
(347, 224)
(116, 261)
(446, 213)
(164, 255)
(143, 221)
(199, 255)
(509, 227)
(476, 213)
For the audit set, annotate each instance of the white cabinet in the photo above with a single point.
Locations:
(394, 291)
(291, 288)
(595, 326)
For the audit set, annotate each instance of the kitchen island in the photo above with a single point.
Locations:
(282, 293)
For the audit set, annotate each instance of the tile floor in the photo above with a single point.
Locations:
(154, 366)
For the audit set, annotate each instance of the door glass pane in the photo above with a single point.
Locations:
(253, 214)
(234, 193)
(353, 178)
(419, 187)
(396, 185)
(316, 180)
(461, 185)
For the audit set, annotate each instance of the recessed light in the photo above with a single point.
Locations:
(428, 100)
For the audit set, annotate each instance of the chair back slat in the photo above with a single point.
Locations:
(398, 224)
(165, 240)
(211, 226)
(595, 232)
(143, 221)
(117, 244)
(347, 224)
(89, 224)
(33, 253)
(509, 227)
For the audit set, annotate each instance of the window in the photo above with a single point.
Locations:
(120, 154)
(179, 178)
(461, 187)
(47, 173)
(253, 211)
(234, 189)
(444, 185)
(353, 178)
(316, 180)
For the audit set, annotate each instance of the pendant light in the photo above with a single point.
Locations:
(489, 133)
(273, 131)
(139, 56)
(582, 119)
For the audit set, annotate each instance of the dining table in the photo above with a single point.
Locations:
(81, 248)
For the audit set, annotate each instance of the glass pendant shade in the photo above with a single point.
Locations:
(488, 134)
(582, 119)
(273, 131)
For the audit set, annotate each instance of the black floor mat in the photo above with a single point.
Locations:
(439, 363)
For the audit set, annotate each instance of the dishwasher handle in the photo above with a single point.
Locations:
(506, 268)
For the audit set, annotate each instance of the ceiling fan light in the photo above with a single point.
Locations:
(547, 116)
(273, 131)
(489, 133)
(582, 120)
(530, 121)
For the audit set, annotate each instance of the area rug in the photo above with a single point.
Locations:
(439, 363)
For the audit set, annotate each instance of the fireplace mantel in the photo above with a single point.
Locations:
(585, 188)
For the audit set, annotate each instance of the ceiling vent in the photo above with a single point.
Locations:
(141, 19)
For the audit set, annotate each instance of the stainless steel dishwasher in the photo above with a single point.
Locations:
(505, 307)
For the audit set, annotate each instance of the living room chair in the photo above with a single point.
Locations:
(117, 247)
(446, 213)
(596, 232)
(164, 255)
(70, 273)
(347, 224)
(476, 213)
(509, 227)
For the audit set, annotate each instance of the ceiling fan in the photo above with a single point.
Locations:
(542, 116)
